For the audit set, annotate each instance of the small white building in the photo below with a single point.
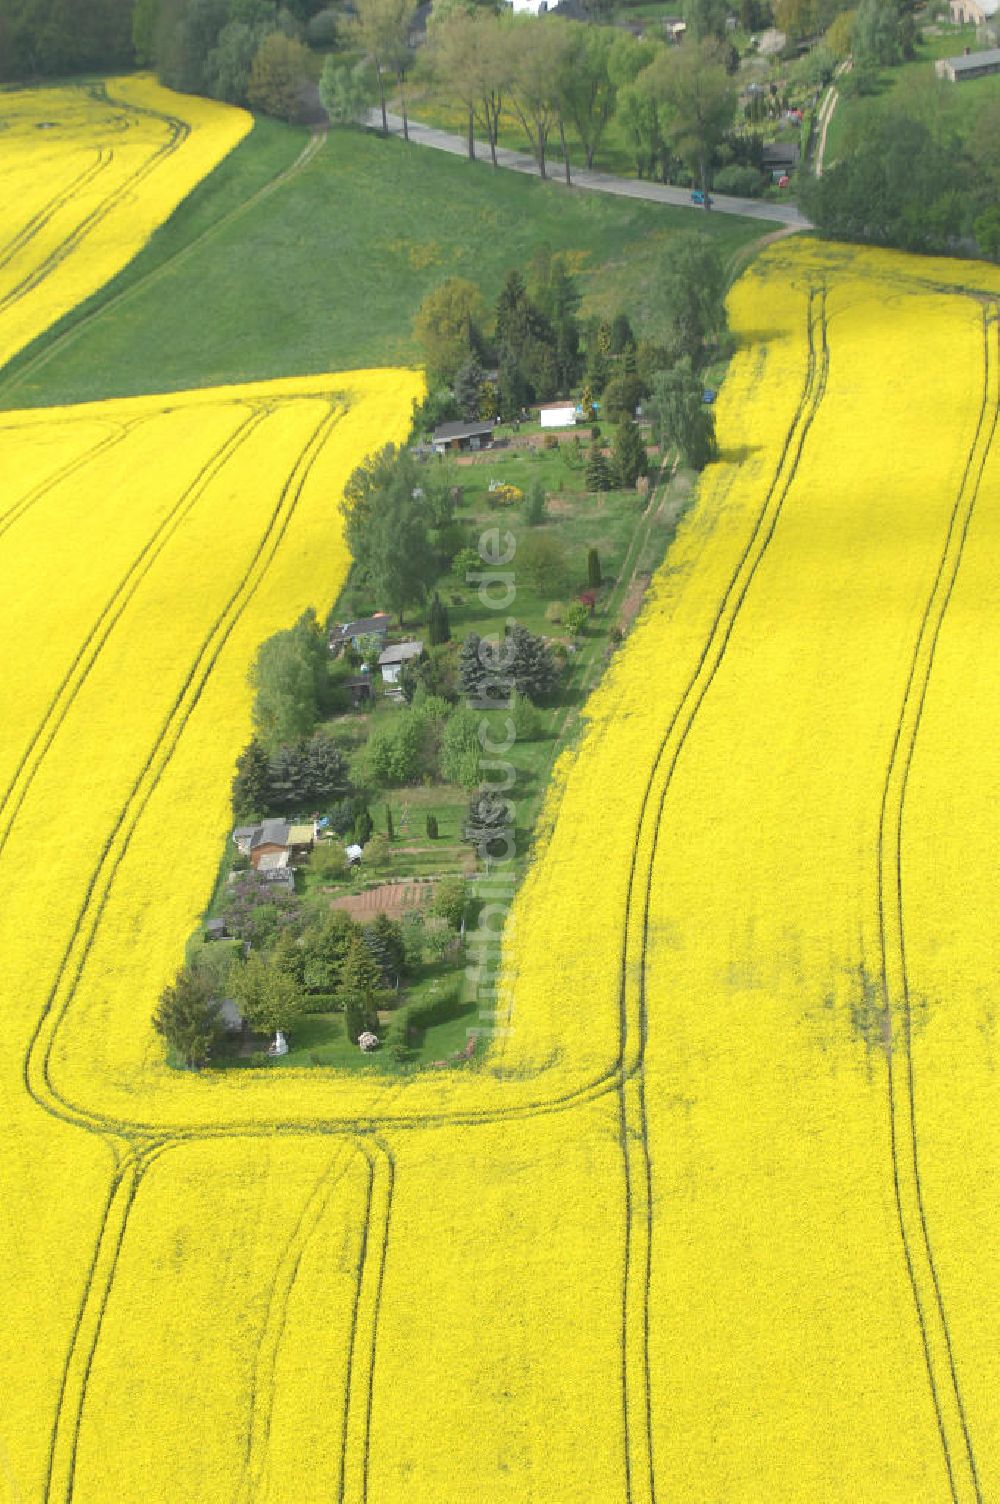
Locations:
(973, 12)
(557, 415)
(391, 660)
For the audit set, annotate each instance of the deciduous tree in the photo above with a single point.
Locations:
(269, 999)
(681, 417)
(448, 326)
(280, 68)
(697, 100)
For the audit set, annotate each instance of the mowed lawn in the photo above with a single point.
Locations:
(327, 271)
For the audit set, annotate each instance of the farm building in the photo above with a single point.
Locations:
(451, 437)
(353, 632)
(392, 659)
(959, 70)
(557, 415)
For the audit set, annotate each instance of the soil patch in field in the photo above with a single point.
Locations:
(388, 898)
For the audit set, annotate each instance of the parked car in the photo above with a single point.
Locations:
(702, 200)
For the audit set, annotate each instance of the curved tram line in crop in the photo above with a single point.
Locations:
(93, 642)
(640, 1472)
(626, 1075)
(28, 231)
(179, 130)
(956, 1438)
(128, 1178)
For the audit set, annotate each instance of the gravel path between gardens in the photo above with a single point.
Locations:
(826, 115)
(598, 182)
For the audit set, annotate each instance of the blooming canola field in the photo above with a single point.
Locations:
(87, 173)
(714, 1216)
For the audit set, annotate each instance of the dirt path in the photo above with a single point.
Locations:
(826, 115)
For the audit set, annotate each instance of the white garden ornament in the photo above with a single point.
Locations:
(367, 1040)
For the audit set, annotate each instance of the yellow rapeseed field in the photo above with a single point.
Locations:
(715, 1219)
(87, 173)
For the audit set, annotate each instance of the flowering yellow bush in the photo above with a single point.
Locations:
(87, 173)
(716, 1216)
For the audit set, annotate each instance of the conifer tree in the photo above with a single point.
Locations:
(598, 470)
(360, 981)
(438, 624)
(628, 453)
(252, 792)
(188, 1018)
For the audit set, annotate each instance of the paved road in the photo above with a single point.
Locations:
(599, 182)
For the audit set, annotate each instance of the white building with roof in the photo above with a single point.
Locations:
(391, 660)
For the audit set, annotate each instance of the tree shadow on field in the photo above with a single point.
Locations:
(738, 455)
(744, 339)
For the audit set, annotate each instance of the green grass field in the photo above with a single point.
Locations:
(954, 105)
(327, 271)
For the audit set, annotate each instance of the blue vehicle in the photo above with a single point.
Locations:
(702, 200)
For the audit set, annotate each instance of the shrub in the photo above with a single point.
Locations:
(542, 561)
(413, 939)
(550, 441)
(377, 854)
(408, 1023)
(576, 618)
(328, 860)
(526, 717)
(745, 182)
(466, 561)
(534, 503)
(450, 900)
(460, 748)
(401, 752)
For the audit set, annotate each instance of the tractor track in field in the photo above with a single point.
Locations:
(26, 234)
(609, 1079)
(131, 1164)
(917, 1247)
(67, 1421)
(55, 345)
(358, 1401)
(179, 132)
(37, 1058)
(280, 1289)
(91, 646)
(19, 509)
(359, 1393)
(639, 1459)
